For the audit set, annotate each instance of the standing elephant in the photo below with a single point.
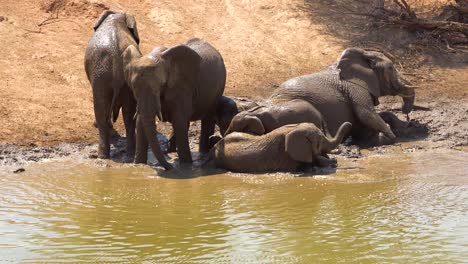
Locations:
(348, 91)
(287, 148)
(263, 119)
(114, 32)
(227, 107)
(179, 85)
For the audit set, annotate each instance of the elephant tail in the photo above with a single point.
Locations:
(115, 106)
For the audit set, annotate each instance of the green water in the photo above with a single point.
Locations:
(398, 209)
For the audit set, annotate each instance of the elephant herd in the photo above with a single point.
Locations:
(304, 119)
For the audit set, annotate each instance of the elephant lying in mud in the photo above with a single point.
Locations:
(263, 119)
(348, 91)
(287, 148)
(178, 85)
(114, 32)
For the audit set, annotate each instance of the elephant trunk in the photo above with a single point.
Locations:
(150, 132)
(333, 143)
(408, 95)
(148, 114)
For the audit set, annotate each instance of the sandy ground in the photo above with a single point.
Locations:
(45, 98)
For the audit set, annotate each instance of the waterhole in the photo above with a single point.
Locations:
(405, 208)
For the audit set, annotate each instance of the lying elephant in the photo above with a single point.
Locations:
(263, 119)
(179, 85)
(348, 91)
(287, 148)
(114, 32)
(227, 107)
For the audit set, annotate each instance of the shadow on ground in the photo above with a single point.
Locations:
(341, 20)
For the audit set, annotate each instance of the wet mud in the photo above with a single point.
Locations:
(435, 125)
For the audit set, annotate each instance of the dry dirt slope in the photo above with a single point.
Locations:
(45, 97)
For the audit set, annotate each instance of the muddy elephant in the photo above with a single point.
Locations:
(114, 32)
(228, 107)
(348, 90)
(263, 119)
(287, 148)
(178, 85)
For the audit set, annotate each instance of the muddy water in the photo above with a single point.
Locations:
(406, 208)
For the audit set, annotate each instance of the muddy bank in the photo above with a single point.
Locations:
(433, 125)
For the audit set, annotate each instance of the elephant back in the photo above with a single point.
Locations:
(324, 91)
(242, 152)
(212, 78)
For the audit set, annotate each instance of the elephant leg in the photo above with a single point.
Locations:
(183, 148)
(364, 109)
(128, 112)
(207, 129)
(102, 100)
(172, 143)
(104, 142)
(141, 153)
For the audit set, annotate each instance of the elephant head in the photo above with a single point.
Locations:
(308, 141)
(157, 77)
(374, 71)
(247, 122)
(129, 21)
(228, 107)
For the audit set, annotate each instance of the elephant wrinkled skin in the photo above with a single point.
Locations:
(179, 85)
(348, 91)
(287, 148)
(104, 66)
(263, 119)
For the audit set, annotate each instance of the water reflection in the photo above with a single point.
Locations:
(404, 209)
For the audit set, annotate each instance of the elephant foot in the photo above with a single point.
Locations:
(140, 160)
(103, 156)
(103, 153)
(129, 156)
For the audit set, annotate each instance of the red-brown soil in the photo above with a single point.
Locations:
(46, 99)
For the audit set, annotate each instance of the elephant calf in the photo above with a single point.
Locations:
(263, 119)
(284, 149)
(228, 107)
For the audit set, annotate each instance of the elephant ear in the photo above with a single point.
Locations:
(184, 66)
(132, 26)
(298, 146)
(253, 125)
(129, 54)
(356, 67)
(103, 17)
